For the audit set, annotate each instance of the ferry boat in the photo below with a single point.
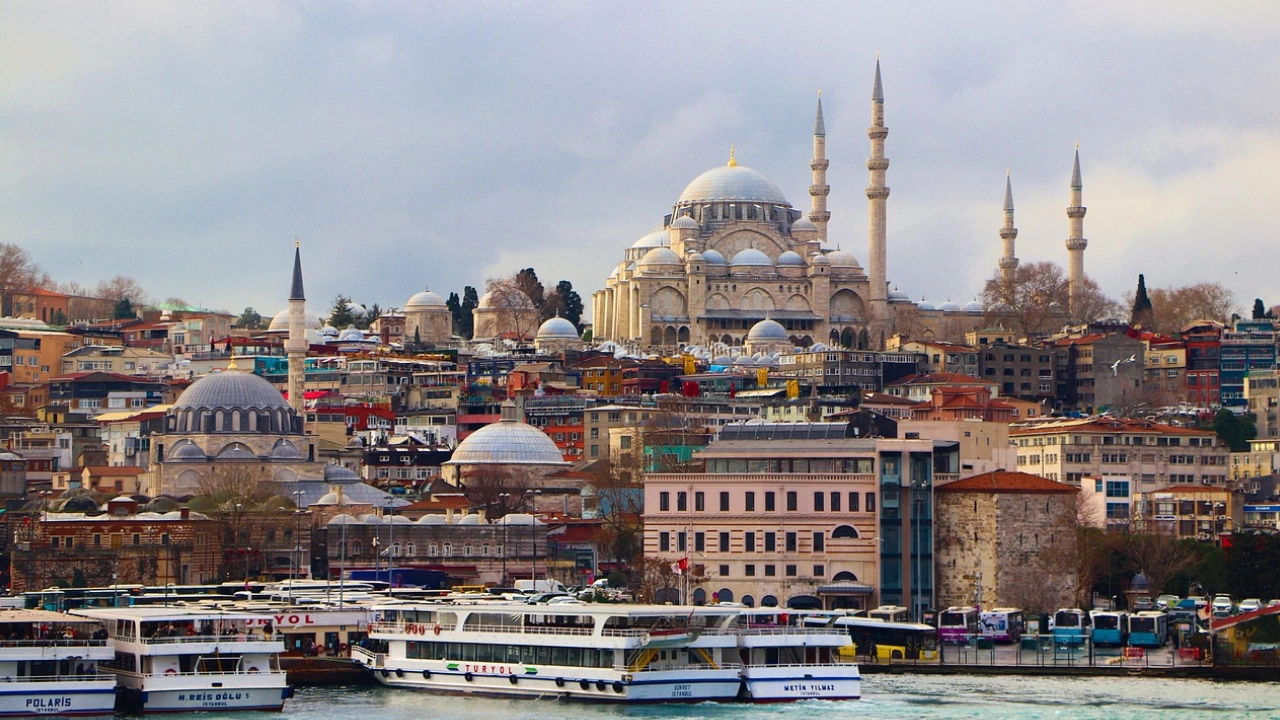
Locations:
(49, 665)
(788, 655)
(171, 659)
(583, 651)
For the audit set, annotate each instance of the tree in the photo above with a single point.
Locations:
(124, 310)
(1038, 299)
(1235, 431)
(467, 321)
(249, 319)
(1175, 307)
(1141, 315)
(371, 313)
(565, 302)
(498, 490)
(454, 303)
(122, 287)
(340, 314)
(527, 281)
(516, 312)
(1157, 557)
(18, 272)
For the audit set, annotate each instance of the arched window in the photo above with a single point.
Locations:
(844, 576)
(748, 601)
(448, 550)
(432, 550)
(395, 549)
(356, 548)
(466, 550)
(844, 531)
(769, 601)
(410, 550)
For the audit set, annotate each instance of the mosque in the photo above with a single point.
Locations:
(733, 253)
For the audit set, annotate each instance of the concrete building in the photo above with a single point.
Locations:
(1022, 371)
(940, 357)
(1098, 372)
(1262, 395)
(1248, 346)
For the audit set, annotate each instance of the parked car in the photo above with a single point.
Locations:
(1248, 605)
(1144, 602)
(1164, 602)
(1223, 606)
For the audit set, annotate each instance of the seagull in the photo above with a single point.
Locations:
(1115, 366)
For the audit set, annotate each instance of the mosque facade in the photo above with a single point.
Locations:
(733, 252)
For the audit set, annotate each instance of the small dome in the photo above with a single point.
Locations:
(280, 323)
(732, 183)
(768, 331)
(432, 520)
(329, 331)
(236, 451)
(684, 222)
(351, 334)
(790, 258)
(284, 450)
(335, 474)
(750, 258)
(470, 519)
(423, 300)
(842, 259)
(804, 224)
(613, 274)
(694, 257)
(713, 257)
(660, 256)
(896, 295)
(949, 306)
(973, 306)
(821, 260)
(557, 328)
(187, 450)
(657, 238)
(507, 443)
(925, 305)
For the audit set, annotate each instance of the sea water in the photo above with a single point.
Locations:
(986, 697)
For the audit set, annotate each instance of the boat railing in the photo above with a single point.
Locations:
(666, 667)
(427, 630)
(784, 630)
(57, 678)
(54, 642)
(806, 665)
(376, 660)
(170, 672)
(193, 639)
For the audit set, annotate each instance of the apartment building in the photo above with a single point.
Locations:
(1021, 370)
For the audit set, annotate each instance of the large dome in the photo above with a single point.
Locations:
(424, 299)
(280, 323)
(557, 328)
(507, 443)
(657, 238)
(750, 257)
(230, 390)
(732, 183)
(768, 331)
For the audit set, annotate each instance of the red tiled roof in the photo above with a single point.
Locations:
(1002, 481)
(1108, 425)
(942, 378)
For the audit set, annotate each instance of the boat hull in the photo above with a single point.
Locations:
(183, 693)
(788, 684)
(585, 684)
(80, 698)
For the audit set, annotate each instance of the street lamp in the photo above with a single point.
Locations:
(532, 496)
(504, 498)
(297, 540)
(391, 537)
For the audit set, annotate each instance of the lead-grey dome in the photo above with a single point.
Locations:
(684, 222)
(768, 331)
(233, 402)
(280, 323)
(423, 300)
(713, 257)
(557, 328)
(732, 183)
(660, 256)
(791, 258)
(750, 257)
(657, 238)
(507, 443)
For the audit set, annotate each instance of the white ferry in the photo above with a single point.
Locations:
(49, 665)
(170, 659)
(787, 655)
(595, 652)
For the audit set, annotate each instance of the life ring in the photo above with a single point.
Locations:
(559, 682)
(513, 679)
(170, 671)
(436, 629)
(426, 674)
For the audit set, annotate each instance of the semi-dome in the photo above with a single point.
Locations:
(768, 330)
(424, 299)
(713, 257)
(230, 390)
(339, 474)
(657, 238)
(556, 328)
(684, 222)
(804, 224)
(790, 258)
(732, 183)
(750, 257)
(660, 256)
(507, 442)
(280, 323)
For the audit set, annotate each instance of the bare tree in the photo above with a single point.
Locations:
(498, 490)
(122, 287)
(1038, 299)
(516, 312)
(1157, 556)
(654, 580)
(1172, 308)
(18, 272)
(620, 507)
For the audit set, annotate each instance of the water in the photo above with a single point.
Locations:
(988, 697)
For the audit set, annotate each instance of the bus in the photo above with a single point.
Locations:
(1110, 628)
(882, 639)
(1004, 625)
(1070, 626)
(890, 613)
(1149, 629)
(957, 624)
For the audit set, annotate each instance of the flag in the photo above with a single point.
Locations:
(684, 564)
(675, 568)
(793, 389)
(690, 365)
(762, 378)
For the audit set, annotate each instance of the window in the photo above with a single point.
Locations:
(770, 570)
(819, 570)
(770, 502)
(749, 570)
(819, 501)
(699, 501)
(724, 502)
(724, 542)
(871, 502)
(791, 542)
(791, 571)
(681, 540)
(664, 501)
(751, 501)
(749, 542)
(664, 542)
(835, 502)
(819, 541)
(682, 501)
(792, 503)
(724, 571)
(770, 542)
(853, 502)
(699, 542)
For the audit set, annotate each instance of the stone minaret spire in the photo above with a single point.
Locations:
(877, 195)
(819, 190)
(296, 345)
(1075, 241)
(1008, 233)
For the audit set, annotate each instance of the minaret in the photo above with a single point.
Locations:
(819, 190)
(877, 195)
(1075, 241)
(296, 345)
(1008, 233)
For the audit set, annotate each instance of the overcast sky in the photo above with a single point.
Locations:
(417, 144)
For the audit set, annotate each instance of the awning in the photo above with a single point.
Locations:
(845, 589)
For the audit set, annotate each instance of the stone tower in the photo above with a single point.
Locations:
(877, 197)
(1075, 241)
(296, 345)
(819, 190)
(1008, 233)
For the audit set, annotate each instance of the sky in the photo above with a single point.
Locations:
(413, 145)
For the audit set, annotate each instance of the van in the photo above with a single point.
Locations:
(540, 586)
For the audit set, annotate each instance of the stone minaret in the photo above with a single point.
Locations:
(1075, 241)
(819, 190)
(1008, 233)
(296, 345)
(877, 195)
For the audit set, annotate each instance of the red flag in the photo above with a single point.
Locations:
(684, 564)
